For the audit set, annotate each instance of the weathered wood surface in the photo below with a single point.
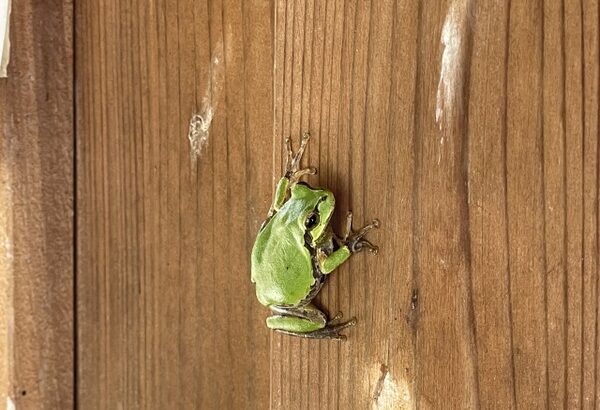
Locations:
(166, 311)
(36, 209)
(470, 129)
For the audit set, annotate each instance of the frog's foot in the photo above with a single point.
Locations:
(331, 331)
(292, 168)
(307, 322)
(355, 240)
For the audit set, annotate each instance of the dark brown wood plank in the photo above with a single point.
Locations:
(167, 314)
(36, 209)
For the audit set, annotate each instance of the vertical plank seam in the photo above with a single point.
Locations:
(370, 47)
(544, 201)
(350, 150)
(227, 173)
(597, 210)
(179, 236)
(304, 350)
(320, 116)
(312, 49)
(416, 206)
(160, 108)
(390, 184)
(466, 195)
(337, 140)
(119, 73)
(506, 213)
(565, 213)
(212, 165)
(273, 150)
(142, 289)
(328, 181)
(290, 88)
(104, 205)
(583, 208)
(247, 238)
(74, 11)
(132, 187)
(543, 197)
(597, 347)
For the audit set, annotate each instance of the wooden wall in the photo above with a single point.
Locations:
(167, 316)
(469, 128)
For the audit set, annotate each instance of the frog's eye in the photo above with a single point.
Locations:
(312, 220)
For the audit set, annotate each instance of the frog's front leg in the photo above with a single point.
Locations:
(351, 242)
(307, 321)
(293, 172)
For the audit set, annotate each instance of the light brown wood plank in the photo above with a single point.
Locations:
(487, 211)
(525, 203)
(554, 139)
(483, 170)
(591, 251)
(36, 209)
(166, 311)
(574, 198)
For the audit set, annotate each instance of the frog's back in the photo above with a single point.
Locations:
(281, 264)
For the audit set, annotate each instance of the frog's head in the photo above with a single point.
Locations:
(316, 207)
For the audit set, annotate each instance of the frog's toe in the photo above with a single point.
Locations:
(301, 172)
(374, 249)
(373, 225)
(360, 244)
(293, 159)
(335, 318)
(332, 330)
(335, 328)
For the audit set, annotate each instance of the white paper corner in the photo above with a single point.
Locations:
(4, 37)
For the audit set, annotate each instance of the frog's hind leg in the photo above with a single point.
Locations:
(308, 322)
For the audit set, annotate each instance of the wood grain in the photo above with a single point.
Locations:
(471, 130)
(167, 316)
(36, 209)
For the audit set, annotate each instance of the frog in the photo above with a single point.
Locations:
(296, 250)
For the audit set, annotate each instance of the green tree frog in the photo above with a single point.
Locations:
(296, 250)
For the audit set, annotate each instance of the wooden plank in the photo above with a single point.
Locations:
(36, 209)
(554, 139)
(591, 207)
(524, 202)
(487, 211)
(468, 128)
(471, 130)
(167, 314)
